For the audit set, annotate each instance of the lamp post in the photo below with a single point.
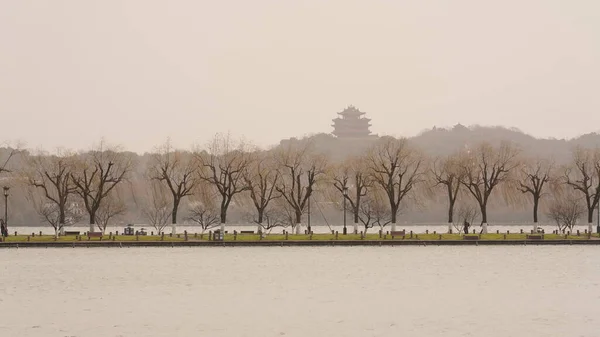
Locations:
(345, 195)
(6, 188)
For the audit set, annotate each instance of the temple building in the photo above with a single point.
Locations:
(351, 123)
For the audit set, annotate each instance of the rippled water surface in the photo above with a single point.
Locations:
(301, 291)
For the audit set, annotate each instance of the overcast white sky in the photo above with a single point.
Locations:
(136, 72)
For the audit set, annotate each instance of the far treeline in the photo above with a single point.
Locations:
(384, 179)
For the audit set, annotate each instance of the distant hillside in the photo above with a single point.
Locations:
(441, 141)
(336, 149)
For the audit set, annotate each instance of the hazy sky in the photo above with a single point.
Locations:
(136, 72)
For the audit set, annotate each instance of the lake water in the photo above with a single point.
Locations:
(301, 291)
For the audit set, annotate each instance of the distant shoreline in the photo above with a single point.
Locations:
(291, 243)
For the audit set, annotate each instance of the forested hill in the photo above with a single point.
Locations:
(442, 141)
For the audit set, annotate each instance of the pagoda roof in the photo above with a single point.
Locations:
(351, 111)
(345, 120)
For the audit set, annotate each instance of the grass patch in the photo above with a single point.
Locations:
(73, 238)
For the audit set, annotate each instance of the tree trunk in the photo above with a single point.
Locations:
(62, 216)
(174, 212)
(260, 215)
(394, 214)
(298, 222)
(591, 217)
(483, 209)
(260, 219)
(450, 212)
(451, 201)
(484, 219)
(223, 215)
(92, 220)
(174, 216)
(536, 201)
(224, 205)
(298, 216)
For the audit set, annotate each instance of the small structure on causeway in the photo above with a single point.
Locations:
(351, 123)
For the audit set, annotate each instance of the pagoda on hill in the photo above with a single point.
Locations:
(351, 123)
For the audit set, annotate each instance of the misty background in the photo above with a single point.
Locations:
(136, 72)
(434, 142)
(445, 73)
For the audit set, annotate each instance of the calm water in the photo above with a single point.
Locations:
(301, 291)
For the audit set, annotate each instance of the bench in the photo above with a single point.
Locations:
(246, 232)
(534, 237)
(470, 237)
(94, 235)
(72, 233)
(397, 233)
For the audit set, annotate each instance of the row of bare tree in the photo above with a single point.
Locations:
(278, 184)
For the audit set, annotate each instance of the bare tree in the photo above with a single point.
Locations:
(223, 166)
(373, 211)
(110, 208)
(207, 218)
(484, 169)
(262, 177)
(533, 177)
(446, 172)
(50, 213)
(565, 211)
(156, 208)
(395, 167)
(300, 170)
(584, 177)
(51, 174)
(203, 210)
(178, 171)
(467, 213)
(275, 217)
(280, 214)
(352, 180)
(97, 174)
